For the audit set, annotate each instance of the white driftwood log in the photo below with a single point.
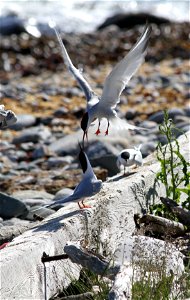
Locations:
(151, 255)
(156, 256)
(107, 224)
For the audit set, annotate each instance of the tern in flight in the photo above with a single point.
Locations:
(104, 106)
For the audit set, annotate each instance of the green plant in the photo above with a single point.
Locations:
(174, 172)
(85, 284)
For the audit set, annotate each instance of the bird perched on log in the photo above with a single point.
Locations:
(104, 106)
(129, 157)
(88, 187)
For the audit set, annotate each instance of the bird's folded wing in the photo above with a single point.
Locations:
(124, 70)
(77, 73)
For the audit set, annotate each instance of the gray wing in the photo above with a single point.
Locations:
(124, 70)
(83, 189)
(77, 74)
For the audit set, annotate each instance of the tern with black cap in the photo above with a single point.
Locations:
(129, 157)
(104, 106)
(88, 187)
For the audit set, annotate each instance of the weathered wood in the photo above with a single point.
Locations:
(121, 289)
(7, 233)
(104, 227)
(140, 255)
(180, 212)
(162, 225)
(154, 255)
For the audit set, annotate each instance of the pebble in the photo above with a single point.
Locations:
(148, 148)
(38, 211)
(41, 150)
(31, 194)
(63, 193)
(158, 117)
(61, 112)
(59, 162)
(33, 134)
(24, 121)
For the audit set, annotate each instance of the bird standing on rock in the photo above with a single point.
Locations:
(129, 157)
(104, 106)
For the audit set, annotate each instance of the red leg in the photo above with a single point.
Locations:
(106, 133)
(98, 130)
(83, 205)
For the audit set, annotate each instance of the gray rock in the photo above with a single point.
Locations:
(62, 194)
(18, 155)
(180, 119)
(149, 125)
(30, 194)
(158, 117)
(131, 114)
(148, 148)
(33, 134)
(37, 211)
(187, 111)
(162, 139)
(103, 154)
(12, 207)
(68, 145)
(27, 146)
(28, 180)
(59, 162)
(23, 121)
(165, 81)
(61, 112)
(40, 152)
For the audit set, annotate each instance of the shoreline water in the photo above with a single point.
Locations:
(86, 16)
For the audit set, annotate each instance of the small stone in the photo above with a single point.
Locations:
(63, 193)
(59, 162)
(30, 194)
(158, 117)
(131, 114)
(148, 148)
(23, 121)
(42, 151)
(33, 134)
(149, 124)
(37, 211)
(61, 112)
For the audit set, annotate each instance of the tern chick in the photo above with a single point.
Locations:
(88, 187)
(129, 157)
(104, 106)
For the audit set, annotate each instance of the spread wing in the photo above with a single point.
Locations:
(124, 70)
(77, 74)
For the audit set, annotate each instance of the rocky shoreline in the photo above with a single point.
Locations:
(39, 152)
